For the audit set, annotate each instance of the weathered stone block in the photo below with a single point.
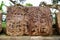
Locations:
(29, 21)
(40, 20)
(16, 21)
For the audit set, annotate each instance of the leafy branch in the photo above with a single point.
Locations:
(1, 5)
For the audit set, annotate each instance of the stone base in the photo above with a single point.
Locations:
(4, 37)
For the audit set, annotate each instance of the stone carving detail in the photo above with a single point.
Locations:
(28, 21)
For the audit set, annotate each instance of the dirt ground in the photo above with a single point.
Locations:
(4, 37)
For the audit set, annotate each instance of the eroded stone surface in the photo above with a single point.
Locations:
(29, 21)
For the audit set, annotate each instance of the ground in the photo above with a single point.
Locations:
(4, 37)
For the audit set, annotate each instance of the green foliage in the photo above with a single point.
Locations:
(1, 5)
(28, 4)
(3, 24)
(55, 1)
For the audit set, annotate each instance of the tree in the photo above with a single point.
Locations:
(42, 3)
(1, 5)
(55, 1)
(16, 1)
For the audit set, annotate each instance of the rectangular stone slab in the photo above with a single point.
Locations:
(16, 21)
(28, 21)
(40, 20)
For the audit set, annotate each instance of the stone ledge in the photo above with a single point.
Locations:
(3, 37)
